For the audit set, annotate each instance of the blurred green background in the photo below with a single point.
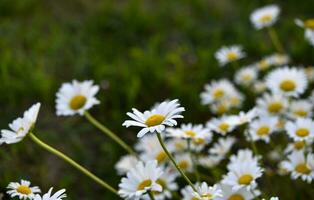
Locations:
(139, 52)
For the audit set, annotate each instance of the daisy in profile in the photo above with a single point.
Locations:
(272, 104)
(140, 179)
(243, 117)
(189, 131)
(229, 194)
(301, 145)
(221, 125)
(125, 164)
(243, 175)
(246, 75)
(76, 97)
(21, 126)
(59, 195)
(22, 190)
(262, 128)
(300, 165)
(242, 156)
(265, 16)
(205, 192)
(287, 81)
(279, 59)
(300, 108)
(301, 129)
(228, 54)
(308, 25)
(157, 119)
(177, 145)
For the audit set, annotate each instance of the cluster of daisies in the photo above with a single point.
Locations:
(215, 160)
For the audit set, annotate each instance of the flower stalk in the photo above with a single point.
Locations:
(73, 163)
(275, 40)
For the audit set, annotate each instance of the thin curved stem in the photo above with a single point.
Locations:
(275, 40)
(151, 195)
(174, 162)
(73, 163)
(108, 132)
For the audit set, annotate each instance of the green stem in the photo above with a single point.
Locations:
(275, 40)
(151, 195)
(73, 163)
(174, 162)
(194, 161)
(254, 147)
(108, 132)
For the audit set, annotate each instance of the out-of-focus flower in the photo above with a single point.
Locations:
(125, 164)
(300, 108)
(228, 54)
(272, 104)
(155, 120)
(76, 97)
(262, 128)
(246, 76)
(265, 16)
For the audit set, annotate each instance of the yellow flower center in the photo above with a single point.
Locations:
(218, 93)
(144, 184)
(183, 164)
(23, 189)
(275, 107)
(236, 197)
(309, 23)
(266, 18)
(154, 120)
(221, 109)
(231, 56)
(190, 133)
(301, 113)
(245, 179)
(303, 168)
(247, 77)
(263, 64)
(161, 157)
(263, 130)
(299, 145)
(208, 196)
(199, 141)
(302, 132)
(77, 102)
(287, 85)
(179, 146)
(223, 126)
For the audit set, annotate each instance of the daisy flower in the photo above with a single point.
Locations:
(272, 104)
(287, 81)
(222, 146)
(48, 196)
(309, 29)
(261, 128)
(246, 75)
(228, 54)
(22, 190)
(265, 16)
(140, 179)
(125, 164)
(243, 175)
(21, 126)
(229, 194)
(221, 125)
(242, 156)
(300, 108)
(205, 192)
(309, 71)
(301, 129)
(210, 161)
(184, 161)
(301, 145)
(300, 165)
(156, 119)
(243, 117)
(259, 87)
(189, 131)
(177, 145)
(76, 97)
(187, 192)
(278, 59)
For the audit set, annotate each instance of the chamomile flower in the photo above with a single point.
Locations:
(221, 125)
(76, 97)
(189, 131)
(300, 165)
(300, 108)
(177, 145)
(243, 117)
(301, 129)
(229, 194)
(301, 145)
(59, 195)
(140, 179)
(187, 192)
(265, 16)
(245, 76)
(184, 161)
(125, 164)
(278, 59)
(21, 126)
(210, 161)
(264, 64)
(287, 81)
(222, 146)
(261, 128)
(243, 175)
(309, 29)
(242, 156)
(22, 190)
(205, 192)
(259, 87)
(272, 104)
(157, 119)
(228, 54)
(309, 71)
